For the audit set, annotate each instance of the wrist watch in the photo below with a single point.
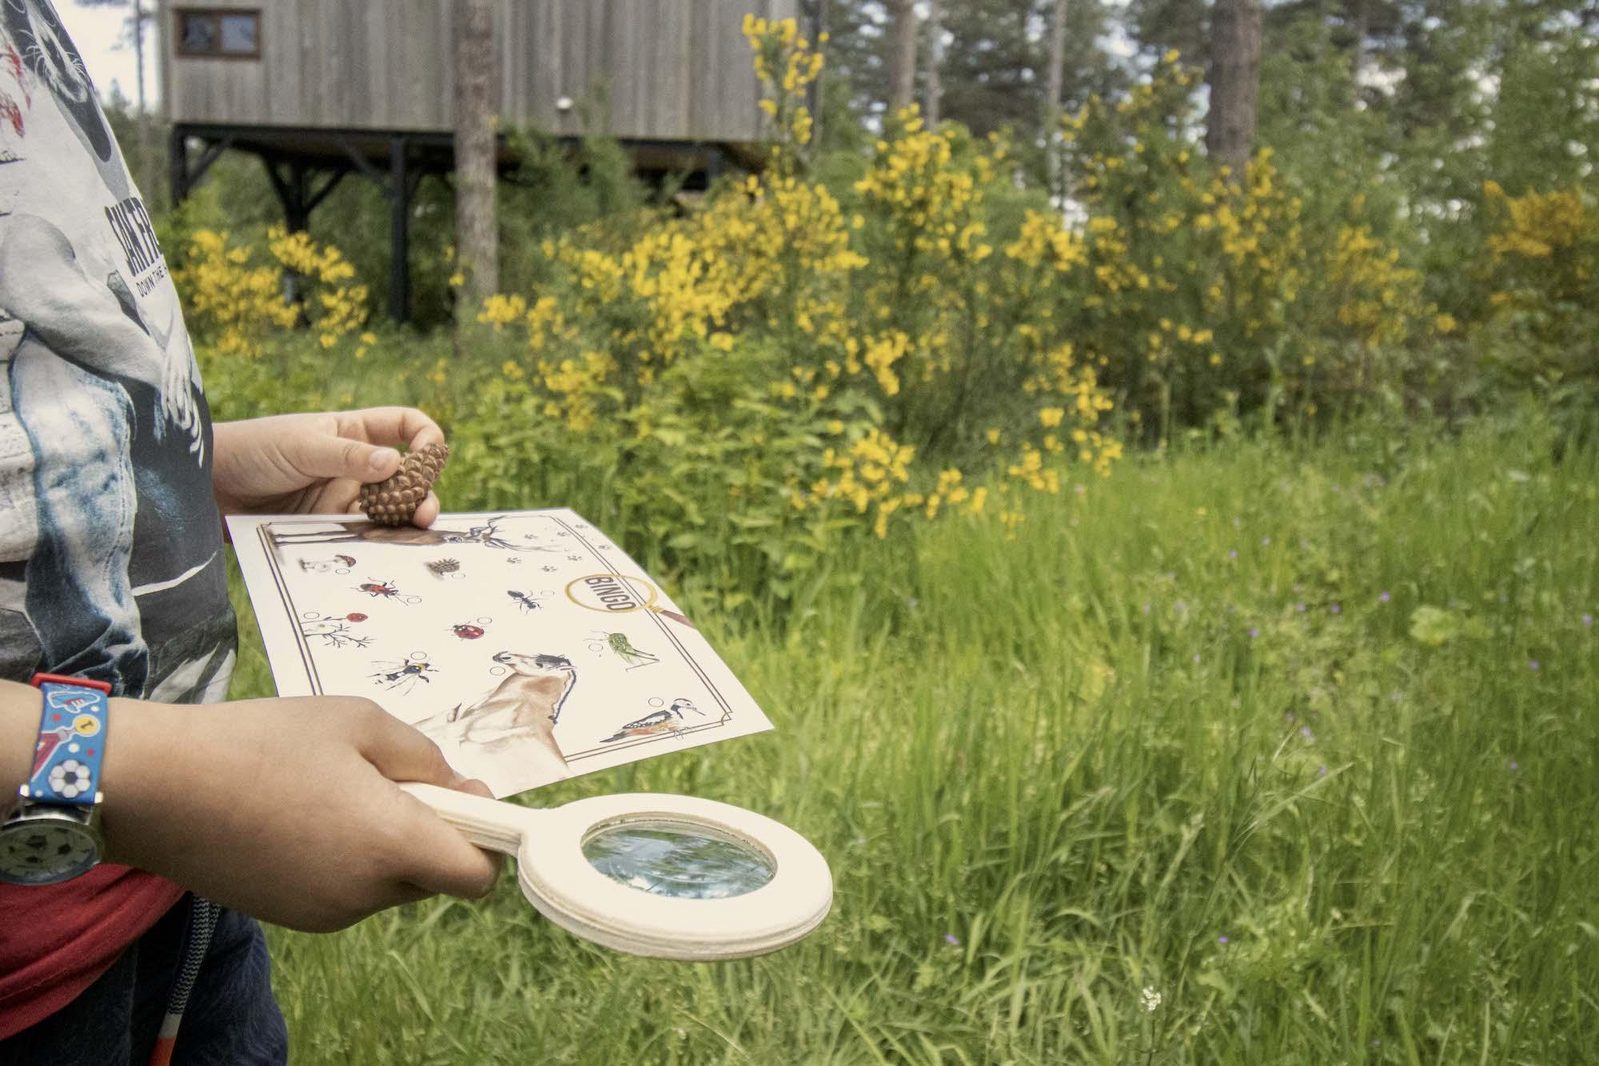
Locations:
(53, 835)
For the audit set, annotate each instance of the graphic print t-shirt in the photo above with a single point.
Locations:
(111, 560)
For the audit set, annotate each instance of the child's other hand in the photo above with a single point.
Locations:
(315, 463)
(285, 809)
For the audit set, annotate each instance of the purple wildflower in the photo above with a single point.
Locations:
(1336, 609)
(1321, 771)
(1222, 940)
(1587, 619)
(1533, 664)
(1299, 607)
(1514, 765)
(1253, 632)
(1304, 731)
(1383, 596)
(1232, 554)
(952, 940)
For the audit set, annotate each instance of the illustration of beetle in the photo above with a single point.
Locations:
(466, 630)
(386, 590)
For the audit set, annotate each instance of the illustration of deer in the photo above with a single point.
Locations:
(487, 535)
(523, 707)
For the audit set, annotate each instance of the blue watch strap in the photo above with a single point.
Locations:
(71, 746)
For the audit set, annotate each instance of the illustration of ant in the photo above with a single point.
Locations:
(527, 601)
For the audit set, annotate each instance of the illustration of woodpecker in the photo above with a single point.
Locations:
(656, 722)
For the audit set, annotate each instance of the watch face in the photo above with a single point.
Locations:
(42, 851)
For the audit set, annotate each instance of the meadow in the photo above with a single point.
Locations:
(1260, 751)
(1176, 612)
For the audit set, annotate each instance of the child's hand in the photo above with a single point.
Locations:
(285, 809)
(315, 463)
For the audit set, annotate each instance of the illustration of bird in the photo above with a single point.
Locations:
(652, 724)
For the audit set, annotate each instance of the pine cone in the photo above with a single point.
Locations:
(393, 501)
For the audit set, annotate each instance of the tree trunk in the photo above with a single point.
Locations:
(1234, 81)
(902, 55)
(476, 234)
(935, 59)
(1054, 83)
(146, 173)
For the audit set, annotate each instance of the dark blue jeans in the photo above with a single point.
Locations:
(231, 1020)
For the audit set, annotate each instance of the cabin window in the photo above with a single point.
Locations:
(229, 34)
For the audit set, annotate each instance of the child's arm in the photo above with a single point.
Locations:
(315, 463)
(285, 809)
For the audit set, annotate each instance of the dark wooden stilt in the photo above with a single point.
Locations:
(178, 164)
(399, 193)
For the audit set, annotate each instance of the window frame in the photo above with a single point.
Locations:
(181, 15)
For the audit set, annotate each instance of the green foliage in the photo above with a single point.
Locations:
(1173, 733)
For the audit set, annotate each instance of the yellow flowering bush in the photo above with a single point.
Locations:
(236, 297)
(1542, 275)
(1194, 289)
(792, 362)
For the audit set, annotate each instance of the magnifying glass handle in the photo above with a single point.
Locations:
(488, 823)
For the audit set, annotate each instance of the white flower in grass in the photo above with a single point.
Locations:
(1151, 1000)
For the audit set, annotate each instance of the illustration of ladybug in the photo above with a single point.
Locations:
(356, 617)
(467, 631)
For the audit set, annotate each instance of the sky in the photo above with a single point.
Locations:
(97, 32)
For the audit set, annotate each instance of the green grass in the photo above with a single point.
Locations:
(1107, 755)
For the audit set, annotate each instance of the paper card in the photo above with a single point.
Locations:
(526, 644)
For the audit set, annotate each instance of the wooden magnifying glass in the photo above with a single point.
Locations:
(672, 877)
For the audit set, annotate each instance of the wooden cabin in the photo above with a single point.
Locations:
(319, 89)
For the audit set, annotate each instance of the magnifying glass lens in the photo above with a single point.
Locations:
(676, 859)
